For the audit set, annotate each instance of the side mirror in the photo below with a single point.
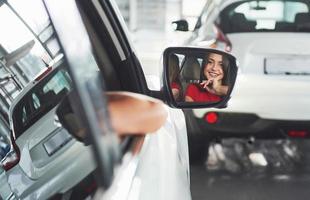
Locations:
(198, 78)
(180, 25)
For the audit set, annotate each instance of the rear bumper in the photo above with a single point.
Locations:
(247, 125)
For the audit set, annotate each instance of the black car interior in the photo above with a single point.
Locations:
(231, 21)
(190, 72)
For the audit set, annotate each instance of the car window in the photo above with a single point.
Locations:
(40, 100)
(271, 16)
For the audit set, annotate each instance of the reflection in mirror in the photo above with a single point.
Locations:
(200, 76)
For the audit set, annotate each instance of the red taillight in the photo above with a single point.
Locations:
(298, 133)
(211, 117)
(90, 188)
(43, 74)
(10, 161)
(221, 37)
(12, 157)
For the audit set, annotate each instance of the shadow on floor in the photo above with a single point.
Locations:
(259, 170)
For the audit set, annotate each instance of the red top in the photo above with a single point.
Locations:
(199, 94)
(175, 85)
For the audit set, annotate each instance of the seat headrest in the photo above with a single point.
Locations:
(49, 96)
(238, 18)
(302, 18)
(190, 69)
(173, 65)
(239, 23)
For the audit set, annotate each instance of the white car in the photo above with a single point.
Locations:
(48, 161)
(270, 40)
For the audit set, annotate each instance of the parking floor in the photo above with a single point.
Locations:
(261, 170)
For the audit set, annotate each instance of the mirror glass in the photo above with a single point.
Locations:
(200, 75)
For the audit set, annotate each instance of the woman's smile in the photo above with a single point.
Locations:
(213, 67)
(213, 74)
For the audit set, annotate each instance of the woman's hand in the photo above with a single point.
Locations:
(135, 113)
(215, 86)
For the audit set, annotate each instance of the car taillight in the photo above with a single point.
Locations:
(298, 133)
(12, 158)
(221, 37)
(211, 117)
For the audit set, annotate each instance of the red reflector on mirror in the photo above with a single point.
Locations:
(301, 134)
(211, 117)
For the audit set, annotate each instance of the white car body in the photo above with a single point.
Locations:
(282, 97)
(268, 96)
(39, 175)
(161, 170)
(5, 190)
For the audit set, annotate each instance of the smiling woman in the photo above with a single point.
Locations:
(201, 76)
(212, 84)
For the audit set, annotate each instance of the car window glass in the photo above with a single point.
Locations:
(40, 100)
(36, 101)
(275, 16)
(24, 114)
(58, 83)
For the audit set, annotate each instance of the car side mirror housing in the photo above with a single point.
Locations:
(180, 25)
(198, 77)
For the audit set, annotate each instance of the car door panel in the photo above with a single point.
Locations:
(151, 167)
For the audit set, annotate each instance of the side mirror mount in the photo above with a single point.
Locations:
(180, 25)
(198, 77)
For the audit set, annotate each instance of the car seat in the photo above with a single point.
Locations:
(49, 96)
(190, 72)
(240, 24)
(302, 21)
(174, 74)
(285, 27)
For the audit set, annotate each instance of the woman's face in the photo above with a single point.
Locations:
(214, 67)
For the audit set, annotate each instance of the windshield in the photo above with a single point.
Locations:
(41, 99)
(270, 16)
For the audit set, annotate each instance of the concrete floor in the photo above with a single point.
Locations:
(263, 170)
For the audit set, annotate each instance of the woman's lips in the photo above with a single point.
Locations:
(213, 74)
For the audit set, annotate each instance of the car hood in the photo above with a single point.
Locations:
(269, 97)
